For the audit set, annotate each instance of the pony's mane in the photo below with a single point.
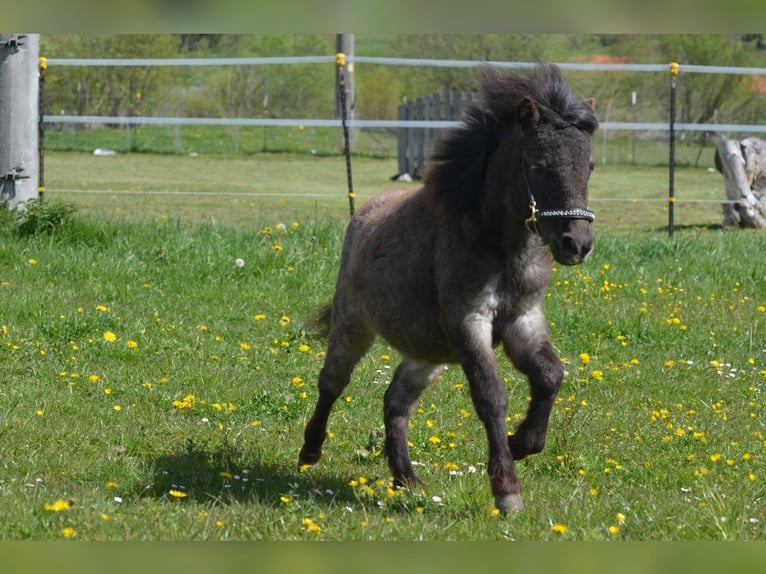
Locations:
(460, 157)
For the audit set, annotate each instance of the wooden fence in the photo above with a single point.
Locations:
(415, 144)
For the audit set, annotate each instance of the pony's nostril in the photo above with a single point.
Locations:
(569, 245)
(574, 248)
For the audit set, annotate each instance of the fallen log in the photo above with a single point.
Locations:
(743, 165)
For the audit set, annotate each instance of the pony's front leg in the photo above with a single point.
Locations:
(410, 379)
(527, 343)
(491, 402)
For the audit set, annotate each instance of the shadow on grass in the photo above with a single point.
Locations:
(227, 476)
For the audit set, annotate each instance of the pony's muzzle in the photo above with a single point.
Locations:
(574, 245)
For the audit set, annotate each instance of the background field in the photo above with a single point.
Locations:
(154, 390)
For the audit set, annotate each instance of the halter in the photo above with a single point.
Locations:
(531, 222)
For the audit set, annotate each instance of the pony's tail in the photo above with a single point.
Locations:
(319, 322)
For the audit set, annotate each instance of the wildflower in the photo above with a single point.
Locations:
(619, 517)
(69, 532)
(109, 337)
(132, 345)
(309, 525)
(558, 528)
(58, 506)
(285, 499)
(614, 530)
(32, 261)
(434, 439)
(259, 317)
(284, 321)
(715, 457)
(178, 494)
(185, 403)
(102, 308)
(220, 523)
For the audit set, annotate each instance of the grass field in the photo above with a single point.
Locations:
(155, 389)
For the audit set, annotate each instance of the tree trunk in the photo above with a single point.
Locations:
(743, 165)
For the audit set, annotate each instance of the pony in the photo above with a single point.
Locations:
(447, 272)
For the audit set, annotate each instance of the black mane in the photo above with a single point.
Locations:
(459, 158)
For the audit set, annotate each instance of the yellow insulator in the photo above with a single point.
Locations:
(673, 68)
(340, 59)
(43, 63)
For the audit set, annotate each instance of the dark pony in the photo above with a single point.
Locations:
(447, 272)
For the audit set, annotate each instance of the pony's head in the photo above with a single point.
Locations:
(547, 135)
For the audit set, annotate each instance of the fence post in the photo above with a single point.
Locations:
(672, 147)
(19, 118)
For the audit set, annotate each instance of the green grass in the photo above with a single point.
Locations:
(139, 360)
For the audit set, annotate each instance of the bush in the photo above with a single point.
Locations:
(38, 217)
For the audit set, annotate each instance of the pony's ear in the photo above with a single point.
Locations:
(528, 112)
(591, 103)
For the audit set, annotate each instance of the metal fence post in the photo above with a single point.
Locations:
(672, 147)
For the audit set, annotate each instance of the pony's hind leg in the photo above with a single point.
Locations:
(410, 379)
(528, 345)
(347, 344)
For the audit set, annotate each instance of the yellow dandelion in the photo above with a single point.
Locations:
(109, 337)
(132, 345)
(60, 505)
(584, 358)
(178, 494)
(102, 308)
(69, 532)
(220, 523)
(558, 528)
(309, 525)
(285, 499)
(32, 261)
(614, 530)
(259, 317)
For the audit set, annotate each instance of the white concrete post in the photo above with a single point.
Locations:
(19, 117)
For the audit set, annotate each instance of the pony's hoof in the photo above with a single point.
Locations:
(308, 458)
(509, 503)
